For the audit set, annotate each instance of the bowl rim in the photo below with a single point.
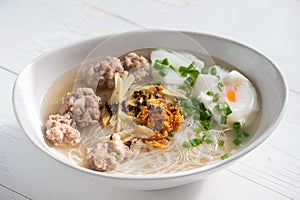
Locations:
(191, 172)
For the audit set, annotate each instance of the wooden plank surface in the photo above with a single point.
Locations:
(31, 28)
(7, 194)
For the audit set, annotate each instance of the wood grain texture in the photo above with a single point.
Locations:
(28, 29)
(7, 194)
(271, 27)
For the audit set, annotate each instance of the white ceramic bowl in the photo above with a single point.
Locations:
(33, 82)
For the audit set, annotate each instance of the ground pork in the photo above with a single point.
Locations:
(61, 130)
(107, 155)
(102, 74)
(82, 105)
(137, 65)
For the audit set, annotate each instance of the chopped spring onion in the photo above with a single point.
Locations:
(244, 133)
(162, 66)
(213, 71)
(188, 106)
(190, 81)
(207, 125)
(205, 115)
(195, 74)
(158, 83)
(227, 110)
(223, 108)
(207, 138)
(183, 72)
(198, 130)
(239, 133)
(163, 72)
(223, 119)
(204, 71)
(172, 67)
(226, 155)
(210, 93)
(201, 106)
(159, 65)
(236, 125)
(117, 156)
(220, 86)
(186, 144)
(220, 107)
(165, 61)
(221, 143)
(195, 142)
(216, 97)
(237, 141)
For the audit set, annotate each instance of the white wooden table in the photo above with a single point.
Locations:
(30, 28)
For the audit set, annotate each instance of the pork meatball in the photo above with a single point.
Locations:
(61, 130)
(102, 74)
(137, 65)
(82, 105)
(107, 156)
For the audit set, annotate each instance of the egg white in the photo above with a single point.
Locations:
(245, 106)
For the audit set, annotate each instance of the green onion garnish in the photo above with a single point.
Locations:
(186, 144)
(207, 138)
(198, 130)
(201, 107)
(195, 142)
(216, 97)
(163, 72)
(226, 155)
(158, 83)
(204, 71)
(237, 141)
(165, 61)
(213, 71)
(223, 108)
(220, 106)
(205, 115)
(195, 74)
(220, 86)
(245, 134)
(223, 119)
(172, 67)
(190, 81)
(239, 133)
(221, 143)
(236, 125)
(210, 93)
(227, 110)
(207, 125)
(117, 156)
(191, 72)
(162, 66)
(183, 72)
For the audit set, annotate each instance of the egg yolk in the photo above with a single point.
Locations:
(231, 95)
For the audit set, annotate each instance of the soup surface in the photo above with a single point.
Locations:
(149, 111)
